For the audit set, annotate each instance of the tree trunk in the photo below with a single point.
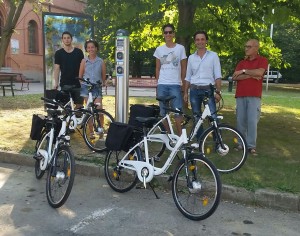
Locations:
(15, 10)
(186, 13)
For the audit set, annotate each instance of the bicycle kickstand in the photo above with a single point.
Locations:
(157, 197)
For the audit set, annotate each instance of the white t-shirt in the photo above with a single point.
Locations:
(170, 67)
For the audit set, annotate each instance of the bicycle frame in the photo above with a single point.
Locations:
(206, 113)
(78, 120)
(163, 137)
(51, 151)
(88, 106)
(144, 169)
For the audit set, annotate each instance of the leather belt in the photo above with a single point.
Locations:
(194, 86)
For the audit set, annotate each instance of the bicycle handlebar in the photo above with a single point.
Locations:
(89, 82)
(53, 102)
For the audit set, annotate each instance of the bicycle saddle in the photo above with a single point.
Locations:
(146, 121)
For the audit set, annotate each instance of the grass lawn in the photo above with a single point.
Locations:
(277, 165)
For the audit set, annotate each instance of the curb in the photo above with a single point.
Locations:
(261, 197)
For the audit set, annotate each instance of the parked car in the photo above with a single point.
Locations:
(274, 76)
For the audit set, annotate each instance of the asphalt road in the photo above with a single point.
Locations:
(94, 209)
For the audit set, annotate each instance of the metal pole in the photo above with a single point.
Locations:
(122, 73)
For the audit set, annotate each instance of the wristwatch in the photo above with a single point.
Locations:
(218, 92)
(244, 71)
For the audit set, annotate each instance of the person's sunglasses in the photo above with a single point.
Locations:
(168, 32)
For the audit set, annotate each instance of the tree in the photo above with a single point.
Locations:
(288, 37)
(15, 8)
(229, 24)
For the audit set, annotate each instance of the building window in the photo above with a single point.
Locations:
(32, 37)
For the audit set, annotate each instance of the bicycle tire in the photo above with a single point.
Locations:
(198, 195)
(97, 142)
(60, 177)
(37, 170)
(119, 178)
(226, 160)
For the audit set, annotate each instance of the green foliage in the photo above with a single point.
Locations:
(288, 37)
(229, 24)
(14, 11)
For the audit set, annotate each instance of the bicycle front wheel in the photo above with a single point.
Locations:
(95, 129)
(119, 178)
(227, 149)
(60, 177)
(196, 193)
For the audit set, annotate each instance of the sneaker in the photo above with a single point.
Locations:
(92, 136)
(195, 145)
(252, 151)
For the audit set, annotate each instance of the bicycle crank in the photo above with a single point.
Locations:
(145, 173)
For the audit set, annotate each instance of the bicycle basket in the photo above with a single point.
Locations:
(37, 125)
(142, 111)
(118, 135)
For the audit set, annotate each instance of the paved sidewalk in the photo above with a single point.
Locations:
(262, 197)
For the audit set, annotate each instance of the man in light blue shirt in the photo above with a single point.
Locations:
(203, 69)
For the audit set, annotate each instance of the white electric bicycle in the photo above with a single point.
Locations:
(196, 184)
(53, 153)
(93, 121)
(224, 145)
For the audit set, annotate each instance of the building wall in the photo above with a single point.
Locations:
(19, 59)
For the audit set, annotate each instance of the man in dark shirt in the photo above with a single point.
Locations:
(66, 64)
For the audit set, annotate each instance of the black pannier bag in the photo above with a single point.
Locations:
(118, 136)
(37, 125)
(139, 110)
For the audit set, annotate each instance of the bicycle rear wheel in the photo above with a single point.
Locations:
(119, 178)
(196, 193)
(60, 177)
(95, 129)
(234, 154)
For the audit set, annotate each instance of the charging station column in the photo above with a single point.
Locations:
(122, 73)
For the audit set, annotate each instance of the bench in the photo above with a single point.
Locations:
(6, 81)
(24, 81)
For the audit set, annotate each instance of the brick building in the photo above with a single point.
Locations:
(25, 52)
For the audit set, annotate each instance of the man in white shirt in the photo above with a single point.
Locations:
(203, 69)
(170, 71)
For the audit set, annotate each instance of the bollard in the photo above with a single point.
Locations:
(230, 84)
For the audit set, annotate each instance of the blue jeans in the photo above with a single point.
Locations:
(164, 90)
(196, 98)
